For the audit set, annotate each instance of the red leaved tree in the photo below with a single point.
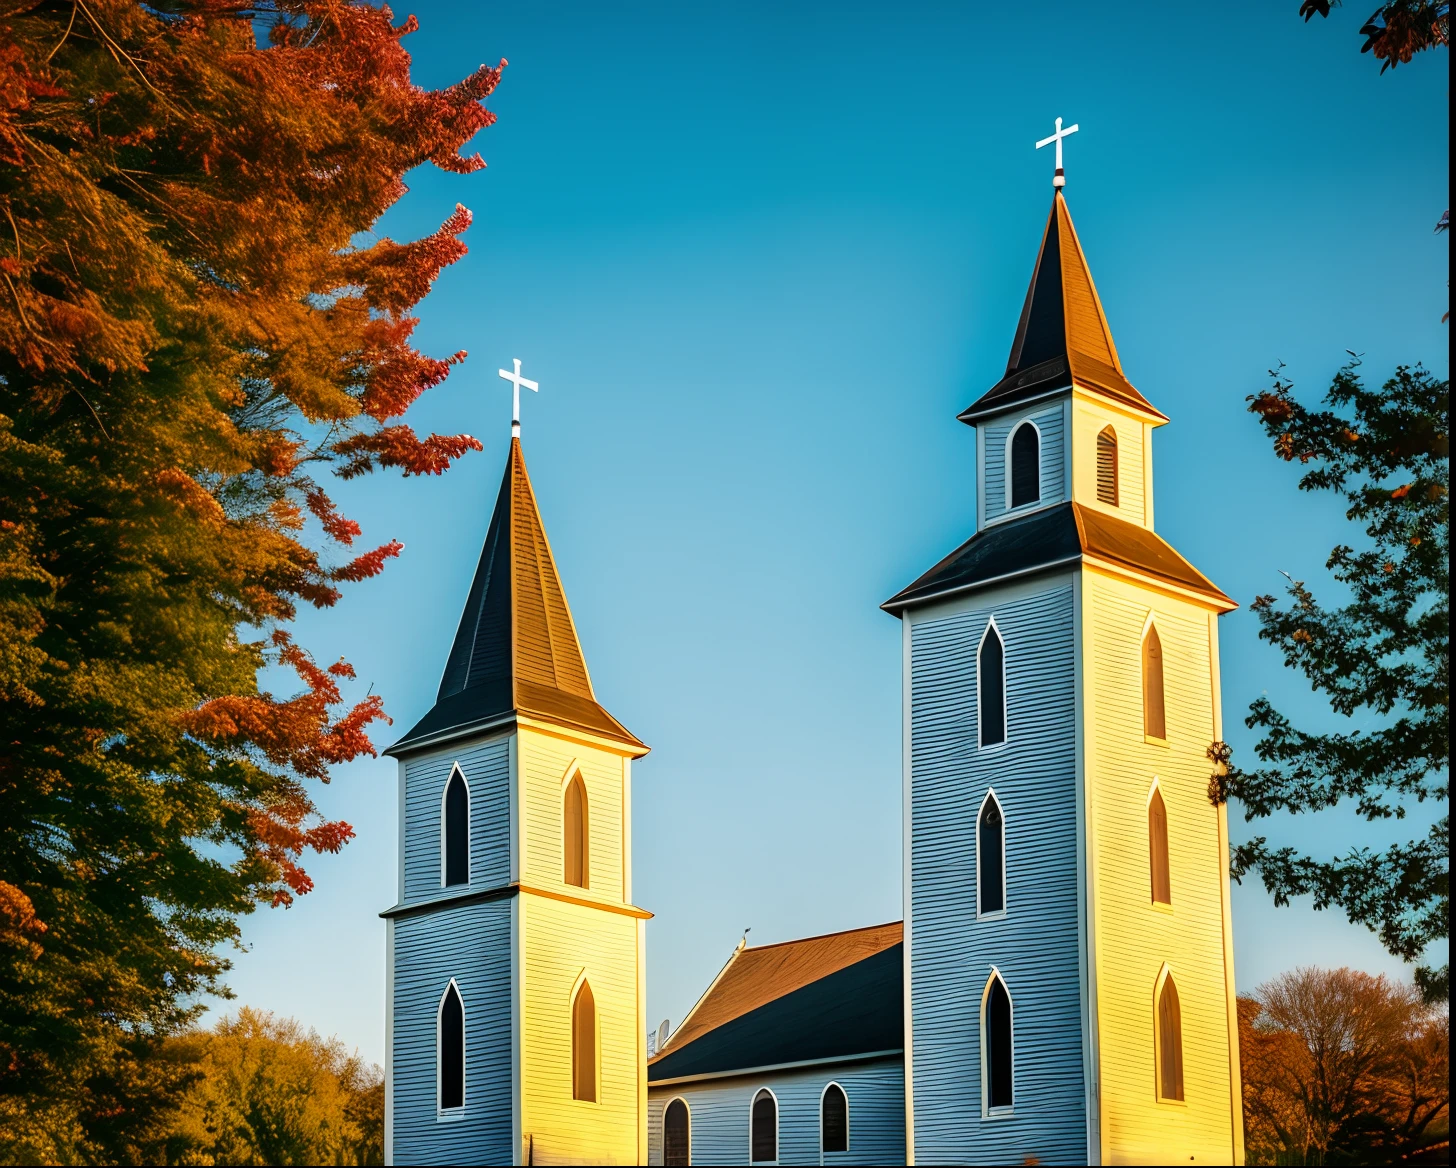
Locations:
(192, 339)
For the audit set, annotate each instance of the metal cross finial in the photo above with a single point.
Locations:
(1060, 178)
(517, 381)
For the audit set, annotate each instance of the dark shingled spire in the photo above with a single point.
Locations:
(515, 651)
(1063, 335)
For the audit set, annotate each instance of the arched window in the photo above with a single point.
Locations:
(1107, 466)
(1158, 848)
(834, 1119)
(763, 1138)
(996, 1043)
(1170, 1041)
(677, 1149)
(1155, 724)
(584, 1045)
(990, 857)
(576, 834)
(450, 1048)
(1025, 465)
(455, 832)
(991, 686)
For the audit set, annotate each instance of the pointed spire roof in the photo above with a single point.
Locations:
(516, 650)
(1063, 336)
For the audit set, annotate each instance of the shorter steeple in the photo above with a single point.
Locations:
(1063, 337)
(516, 650)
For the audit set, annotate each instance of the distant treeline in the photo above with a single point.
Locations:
(254, 1089)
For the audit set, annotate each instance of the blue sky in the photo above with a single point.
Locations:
(758, 257)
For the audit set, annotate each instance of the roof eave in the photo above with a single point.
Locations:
(407, 745)
(898, 604)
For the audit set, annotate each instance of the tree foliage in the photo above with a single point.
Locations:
(197, 329)
(1394, 33)
(1383, 656)
(1341, 1067)
(267, 1092)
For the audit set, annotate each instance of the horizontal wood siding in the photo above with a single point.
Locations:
(719, 1114)
(471, 944)
(545, 761)
(1050, 420)
(561, 942)
(486, 767)
(1133, 936)
(1089, 418)
(1035, 946)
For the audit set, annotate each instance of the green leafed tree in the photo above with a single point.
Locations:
(198, 330)
(1381, 657)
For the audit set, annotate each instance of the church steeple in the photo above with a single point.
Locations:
(1063, 336)
(516, 649)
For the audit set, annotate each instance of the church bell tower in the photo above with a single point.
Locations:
(514, 1027)
(1069, 960)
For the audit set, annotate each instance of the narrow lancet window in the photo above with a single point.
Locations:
(677, 1135)
(991, 686)
(584, 1045)
(1107, 466)
(990, 858)
(834, 1120)
(1025, 465)
(1170, 1042)
(1158, 848)
(763, 1140)
(451, 1053)
(996, 1034)
(455, 832)
(1155, 724)
(576, 834)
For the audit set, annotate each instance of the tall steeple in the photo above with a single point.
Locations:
(516, 649)
(515, 954)
(1063, 336)
(1067, 915)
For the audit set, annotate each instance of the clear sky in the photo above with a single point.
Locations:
(759, 256)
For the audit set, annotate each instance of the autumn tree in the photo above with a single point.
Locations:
(1385, 652)
(1339, 1066)
(1383, 656)
(1394, 33)
(197, 330)
(268, 1092)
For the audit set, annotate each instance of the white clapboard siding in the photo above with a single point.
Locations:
(1052, 424)
(486, 767)
(719, 1108)
(1035, 946)
(472, 944)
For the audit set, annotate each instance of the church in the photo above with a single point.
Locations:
(1061, 988)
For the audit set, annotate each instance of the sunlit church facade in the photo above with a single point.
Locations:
(1061, 987)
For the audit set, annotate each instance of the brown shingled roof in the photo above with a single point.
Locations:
(1054, 538)
(1063, 336)
(1143, 550)
(516, 650)
(754, 977)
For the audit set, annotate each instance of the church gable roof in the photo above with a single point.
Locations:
(516, 649)
(819, 997)
(1053, 537)
(1063, 336)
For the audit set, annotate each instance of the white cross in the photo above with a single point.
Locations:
(1060, 178)
(517, 381)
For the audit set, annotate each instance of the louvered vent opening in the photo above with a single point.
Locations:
(1107, 467)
